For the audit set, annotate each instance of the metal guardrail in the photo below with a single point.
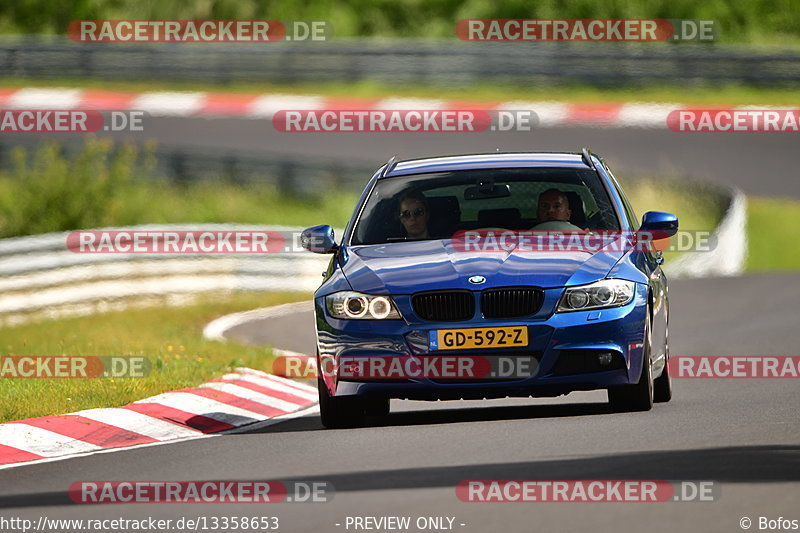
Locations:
(409, 61)
(41, 277)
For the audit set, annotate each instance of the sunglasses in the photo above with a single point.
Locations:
(418, 212)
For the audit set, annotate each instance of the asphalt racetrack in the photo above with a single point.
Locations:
(741, 433)
(758, 163)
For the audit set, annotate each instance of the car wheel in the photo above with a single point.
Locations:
(376, 406)
(338, 412)
(637, 397)
(662, 386)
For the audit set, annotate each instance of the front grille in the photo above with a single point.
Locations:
(443, 306)
(511, 302)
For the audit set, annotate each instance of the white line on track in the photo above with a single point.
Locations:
(216, 329)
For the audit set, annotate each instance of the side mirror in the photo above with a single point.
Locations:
(659, 224)
(318, 239)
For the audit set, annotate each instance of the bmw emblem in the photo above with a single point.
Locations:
(477, 280)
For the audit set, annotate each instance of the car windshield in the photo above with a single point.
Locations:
(437, 205)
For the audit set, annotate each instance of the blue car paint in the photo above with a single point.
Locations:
(402, 268)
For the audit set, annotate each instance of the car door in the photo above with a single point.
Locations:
(650, 262)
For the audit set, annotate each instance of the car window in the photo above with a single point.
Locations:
(629, 212)
(447, 202)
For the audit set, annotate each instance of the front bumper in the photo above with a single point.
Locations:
(562, 346)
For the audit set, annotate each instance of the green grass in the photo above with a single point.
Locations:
(198, 203)
(46, 191)
(727, 95)
(170, 337)
(694, 204)
(773, 234)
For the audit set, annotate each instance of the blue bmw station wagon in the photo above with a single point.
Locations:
(498, 275)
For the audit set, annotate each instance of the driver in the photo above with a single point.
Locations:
(414, 215)
(553, 212)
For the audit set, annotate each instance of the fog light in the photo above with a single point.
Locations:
(605, 358)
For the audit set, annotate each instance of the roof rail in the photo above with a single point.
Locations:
(586, 155)
(390, 164)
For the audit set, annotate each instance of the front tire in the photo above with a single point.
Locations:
(338, 412)
(662, 389)
(637, 397)
(662, 386)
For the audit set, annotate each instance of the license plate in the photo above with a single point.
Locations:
(471, 338)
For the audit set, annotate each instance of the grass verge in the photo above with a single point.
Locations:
(105, 185)
(716, 96)
(695, 204)
(171, 338)
(773, 234)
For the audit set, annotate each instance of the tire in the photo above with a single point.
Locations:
(338, 412)
(662, 386)
(637, 397)
(378, 407)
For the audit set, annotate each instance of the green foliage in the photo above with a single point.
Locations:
(748, 21)
(48, 191)
(116, 185)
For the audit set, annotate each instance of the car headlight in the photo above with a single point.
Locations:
(358, 306)
(598, 295)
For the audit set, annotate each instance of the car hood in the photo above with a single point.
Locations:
(409, 267)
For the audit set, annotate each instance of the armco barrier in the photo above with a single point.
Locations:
(443, 62)
(39, 275)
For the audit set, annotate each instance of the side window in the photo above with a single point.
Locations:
(629, 212)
